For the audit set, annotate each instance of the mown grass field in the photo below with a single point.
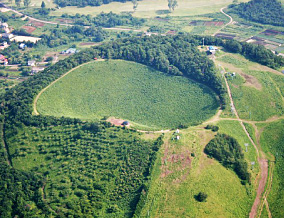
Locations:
(149, 8)
(174, 184)
(257, 90)
(130, 91)
(272, 141)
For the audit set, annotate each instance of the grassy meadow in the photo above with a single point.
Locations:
(256, 89)
(130, 91)
(272, 141)
(175, 182)
(149, 8)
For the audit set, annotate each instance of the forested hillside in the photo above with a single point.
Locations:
(262, 11)
(83, 3)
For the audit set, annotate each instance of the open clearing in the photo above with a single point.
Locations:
(131, 91)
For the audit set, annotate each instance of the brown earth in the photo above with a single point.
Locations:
(37, 23)
(251, 81)
(29, 29)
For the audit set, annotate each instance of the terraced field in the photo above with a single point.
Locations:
(131, 91)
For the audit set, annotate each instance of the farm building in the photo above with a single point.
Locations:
(22, 46)
(125, 123)
(31, 63)
(7, 35)
(212, 50)
(26, 39)
(70, 51)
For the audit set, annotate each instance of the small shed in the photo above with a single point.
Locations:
(125, 123)
(178, 137)
(177, 131)
(22, 46)
(31, 63)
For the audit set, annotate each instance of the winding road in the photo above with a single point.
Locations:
(263, 162)
(230, 22)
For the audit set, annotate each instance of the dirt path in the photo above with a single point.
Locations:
(230, 22)
(262, 161)
(35, 112)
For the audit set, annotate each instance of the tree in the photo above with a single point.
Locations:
(135, 4)
(27, 3)
(42, 4)
(172, 4)
(18, 2)
(201, 196)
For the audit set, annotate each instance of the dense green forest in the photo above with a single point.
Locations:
(262, 11)
(229, 153)
(83, 3)
(106, 19)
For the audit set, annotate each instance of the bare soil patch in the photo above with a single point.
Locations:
(115, 121)
(88, 43)
(261, 186)
(251, 81)
(29, 29)
(176, 162)
(37, 23)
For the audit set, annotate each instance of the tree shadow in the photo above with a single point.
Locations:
(161, 12)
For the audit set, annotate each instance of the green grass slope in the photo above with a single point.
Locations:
(257, 90)
(175, 182)
(129, 91)
(272, 140)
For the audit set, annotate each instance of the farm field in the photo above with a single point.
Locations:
(131, 91)
(252, 83)
(178, 176)
(148, 8)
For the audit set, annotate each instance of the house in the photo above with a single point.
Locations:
(4, 25)
(22, 46)
(31, 63)
(4, 45)
(3, 60)
(2, 57)
(7, 35)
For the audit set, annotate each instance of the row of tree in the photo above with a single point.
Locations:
(106, 19)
